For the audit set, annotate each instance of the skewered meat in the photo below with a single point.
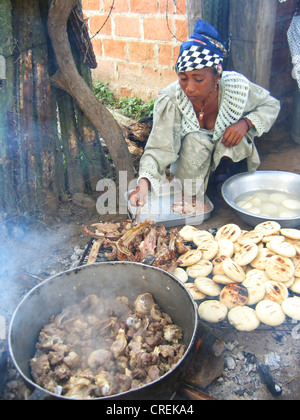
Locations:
(102, 347)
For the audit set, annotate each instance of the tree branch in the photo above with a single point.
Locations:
(69, 79)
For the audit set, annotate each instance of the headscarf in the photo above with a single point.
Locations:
(205, 48)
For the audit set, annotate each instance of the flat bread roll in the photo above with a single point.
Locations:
(202, 235)
(276, 291)
(296, 261)
(225, 247)
(250, 237)
(268, 228)
(295, 287)
(280, 268)
(260, 262)
(212, 311)
(209, 249)
(291, 307)
(190, 257)
(270, 313)
(246, 254)
(257, 274)
(283, 248)
(290, 233)
(256, 290)
(233, 270)
(202, 269)
(181, 275)
(194, 291)
(230, 231)
(207, 286)
(223, 279)
(218, 265)
(234, 295)
(187, 232)
(243, 318)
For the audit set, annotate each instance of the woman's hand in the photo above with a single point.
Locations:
(139, 196)
(235, 132)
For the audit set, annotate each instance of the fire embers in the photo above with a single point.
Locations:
(103, 347)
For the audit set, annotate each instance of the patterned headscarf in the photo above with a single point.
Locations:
(205, 48)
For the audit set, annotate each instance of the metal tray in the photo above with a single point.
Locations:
(167, 218)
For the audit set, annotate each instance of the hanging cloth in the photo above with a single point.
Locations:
(293, 36)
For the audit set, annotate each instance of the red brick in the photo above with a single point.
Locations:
(144, 6)
(120, 6)
(181, 30)
(97, 46)
(114, 48)
(141, 52)
(181, 7)
(97, 22)
(127, 26)
(167, 5)
(165, 55)
(157, 28)
(90, 5)
(105, 70)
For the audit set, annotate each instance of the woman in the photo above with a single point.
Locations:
(206, 116)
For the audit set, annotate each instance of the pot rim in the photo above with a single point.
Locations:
(42, 392)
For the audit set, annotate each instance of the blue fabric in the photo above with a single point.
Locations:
(205, 37)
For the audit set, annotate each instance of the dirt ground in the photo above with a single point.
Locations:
(29, 256)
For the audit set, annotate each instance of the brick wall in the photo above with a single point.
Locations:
(138, 45)
(282, 83)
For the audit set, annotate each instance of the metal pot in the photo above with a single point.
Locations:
(105, 280)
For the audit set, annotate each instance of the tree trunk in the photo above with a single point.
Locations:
(68, 79)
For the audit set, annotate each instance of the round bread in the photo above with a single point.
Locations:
(296, 262)
(290, 233)
(283, 248)
(256, 290)
(280, 268)
(207, 286)
(223, 279)
(250, 237)
(243, 318)
(202, 269)
(291, 307)
(181, 275)
(234, 295)
(246, 254)
(202, 235)
(270, 313)
(212, 311)
(268, 228)
(257, 274)
(225, 247)
(208, 248)
(233, 270)
(295, 287)
(230, 231)
(276, 291)
(260, 262)
(218, 265)
(187, 232)
(295, 243)
(190, 257)
(194, 291)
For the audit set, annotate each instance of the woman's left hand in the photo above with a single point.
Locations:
(234, 133)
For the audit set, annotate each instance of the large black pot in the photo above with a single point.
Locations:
(106, 280)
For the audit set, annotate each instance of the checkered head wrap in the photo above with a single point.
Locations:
(204, 49)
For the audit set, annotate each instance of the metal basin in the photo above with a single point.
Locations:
(280, 181)
(107, 280)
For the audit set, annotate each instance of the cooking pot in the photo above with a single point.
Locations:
(109, 279)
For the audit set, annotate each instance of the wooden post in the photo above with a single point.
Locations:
(252, 26)
(195, 11)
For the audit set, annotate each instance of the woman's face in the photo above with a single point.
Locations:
(198, 84)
